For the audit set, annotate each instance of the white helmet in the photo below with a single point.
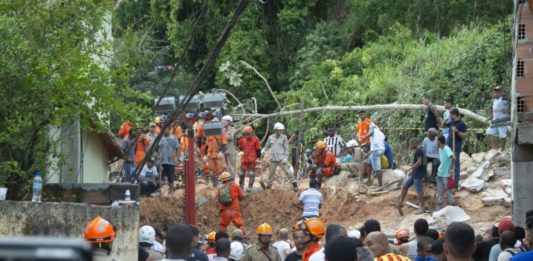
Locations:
(147, 234)
(352, 144)
(227, 118)
(237, 251)
(279, 126)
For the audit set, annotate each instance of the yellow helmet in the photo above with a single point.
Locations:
(320, 145)
(211, 237)
(224, 176)
(264, 229)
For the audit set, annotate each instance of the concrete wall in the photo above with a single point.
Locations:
(95, 166)
(20, 218)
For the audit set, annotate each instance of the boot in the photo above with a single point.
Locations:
(251, 182)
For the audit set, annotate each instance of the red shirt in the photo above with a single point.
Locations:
(326, 159)
(310, 251)
(249, 146)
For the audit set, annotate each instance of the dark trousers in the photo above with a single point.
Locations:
(148, 187)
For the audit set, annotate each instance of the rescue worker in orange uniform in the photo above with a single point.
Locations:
(314, 229)
(141, 144)
(201, 142)
(125, 128)
(325, 163)
(210, 249)
(100, 234)
(251, 148)
(215, 146)
(229, 196)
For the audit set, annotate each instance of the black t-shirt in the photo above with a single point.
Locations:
(461, 126)
(430, 121)
(421, 171)
(293, 257)
(143, 254)
(483, 249)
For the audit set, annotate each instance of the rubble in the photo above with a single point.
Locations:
(478, 157)
(495, 196)
(451, 214)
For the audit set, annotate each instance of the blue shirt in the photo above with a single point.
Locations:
(445, 157)
(523, 257)
(388, 154)
(311, 199)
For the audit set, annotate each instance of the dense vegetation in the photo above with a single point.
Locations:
(339, 52)
(58, 68)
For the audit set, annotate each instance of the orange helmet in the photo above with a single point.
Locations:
(224, 176)
(247, 130)
(99, 230)
(320, 145)
(314, 226)
(402, 234)
(211, 237)
(264, 229)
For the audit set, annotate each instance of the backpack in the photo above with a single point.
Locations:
(225, 196)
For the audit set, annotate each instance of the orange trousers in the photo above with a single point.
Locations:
(228, 216)
(217, 165)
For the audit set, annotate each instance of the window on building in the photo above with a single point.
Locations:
(522, 1)
(521, 31)
(520, 69)
(520, 104)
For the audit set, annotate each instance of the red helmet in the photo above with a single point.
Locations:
(247, 130)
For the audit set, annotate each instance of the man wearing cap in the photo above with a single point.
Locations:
(149, 178)
(506, 224)
(499, 112)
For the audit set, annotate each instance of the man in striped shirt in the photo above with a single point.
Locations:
(311, 200)
(334, 142)
(379, 245)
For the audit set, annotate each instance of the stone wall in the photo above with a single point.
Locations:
(22, 218)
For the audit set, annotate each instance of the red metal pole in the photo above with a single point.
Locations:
(190, 182)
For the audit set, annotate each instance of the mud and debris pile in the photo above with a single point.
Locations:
(484, 196)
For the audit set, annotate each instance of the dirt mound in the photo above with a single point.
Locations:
(277, 207)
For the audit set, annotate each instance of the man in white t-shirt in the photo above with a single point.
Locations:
(283, 245)
(377, 148)
(499, 112)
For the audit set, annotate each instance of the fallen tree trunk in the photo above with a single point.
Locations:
(379, 107)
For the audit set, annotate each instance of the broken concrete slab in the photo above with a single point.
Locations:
(490, 155)
(479, 171)
(488, 174)
(465, 157)
(467, 164)
(451, 214)
(492, 197)
(478, 157)
(473, 184)
(502, 171)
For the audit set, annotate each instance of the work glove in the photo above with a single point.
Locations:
(204, 159)
(319, 172)
(263, 152)
(220, 154)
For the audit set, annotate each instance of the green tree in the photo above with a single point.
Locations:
(58, 68)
